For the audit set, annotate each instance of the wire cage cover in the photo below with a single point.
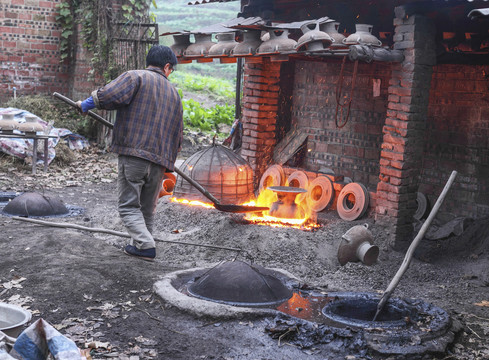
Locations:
(220, 171)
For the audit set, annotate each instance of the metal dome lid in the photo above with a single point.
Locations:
(240, 284)
(223, 173)
(34, 204)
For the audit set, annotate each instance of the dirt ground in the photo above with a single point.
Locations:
(82, 283)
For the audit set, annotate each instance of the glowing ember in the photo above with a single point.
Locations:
(193, 203)
(266, 198)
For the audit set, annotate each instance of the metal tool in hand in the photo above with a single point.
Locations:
(409, 254)
(217, 204)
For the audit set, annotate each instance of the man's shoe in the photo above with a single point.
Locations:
(146, 254)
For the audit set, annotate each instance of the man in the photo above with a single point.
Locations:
(147, 136)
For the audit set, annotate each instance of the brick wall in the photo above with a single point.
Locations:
(457, 138)
(353, 150)
(29, 39)
(259, 109)
(402, 146)
(30, 55)
(84, 82)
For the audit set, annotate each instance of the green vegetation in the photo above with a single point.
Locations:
(195, 116)
(66, 23)
(217, 89)
(176, 15)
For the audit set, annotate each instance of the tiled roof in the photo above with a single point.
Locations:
(479, 13)
(200, 2)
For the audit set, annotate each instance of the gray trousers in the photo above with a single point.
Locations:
(139, 182)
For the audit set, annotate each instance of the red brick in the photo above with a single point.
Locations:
(258, 135)
(46, 4)
(25, 16)
(9, 44)
(260, 100)
(262, 79)
(389, 138)
(394, 172)
(260, 107)
(10, 15)
(259, 127)
(401, 91)
(263, 87)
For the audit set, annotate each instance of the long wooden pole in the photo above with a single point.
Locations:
(116, 233)
(409, 254)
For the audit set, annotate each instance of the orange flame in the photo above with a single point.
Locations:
(192, 203)
(296, 305)
(267, 198)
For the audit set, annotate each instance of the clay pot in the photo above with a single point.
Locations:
(201, 46)
(182, 41)
(331, 28)
(357, 244)
(7, 123)
(313, 38)
(30, 125)
(362, 36)
(225, 43)
(279, 42)
(251, 42)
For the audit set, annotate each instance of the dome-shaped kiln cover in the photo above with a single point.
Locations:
(34, 204)
(220, 171)
(237, 283)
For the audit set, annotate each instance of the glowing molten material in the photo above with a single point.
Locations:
(192, 203)
(304, 217)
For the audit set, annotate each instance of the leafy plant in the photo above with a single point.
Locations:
(219, 89)
(206, 119)
(137, 9)
(66, 22)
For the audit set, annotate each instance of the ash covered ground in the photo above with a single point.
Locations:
(82, 283)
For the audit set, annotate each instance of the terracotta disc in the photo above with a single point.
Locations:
(299, 179)
(352, 202)
(367, 199)
(320, 193)
(273, 176)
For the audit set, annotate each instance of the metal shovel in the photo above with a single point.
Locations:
(207, 194)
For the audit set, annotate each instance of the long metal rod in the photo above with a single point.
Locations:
(90, 112)
(117, 233)
(239, 74)
(414, 244)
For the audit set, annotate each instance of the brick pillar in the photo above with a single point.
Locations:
(259, 109)
(400, 160)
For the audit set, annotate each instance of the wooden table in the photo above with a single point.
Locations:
(35, 137)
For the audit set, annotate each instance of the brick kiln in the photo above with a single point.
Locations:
(397, 112)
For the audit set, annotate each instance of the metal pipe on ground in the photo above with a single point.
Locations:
(122, 234)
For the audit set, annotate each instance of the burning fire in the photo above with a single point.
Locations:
(192, 203)
(304, 221)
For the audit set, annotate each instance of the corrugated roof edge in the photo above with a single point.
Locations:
(478, 13)
(203, 2)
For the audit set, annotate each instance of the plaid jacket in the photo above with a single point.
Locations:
(149, 122)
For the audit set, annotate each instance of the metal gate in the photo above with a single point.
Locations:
(131, 44)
